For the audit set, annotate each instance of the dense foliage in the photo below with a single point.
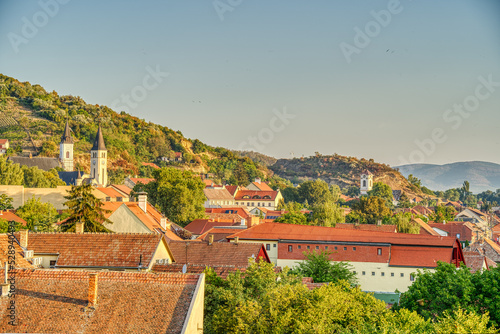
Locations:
(263, 301)
(451, 289)
(31, 177)
(40, 216)
(178, 194)
(85, 208)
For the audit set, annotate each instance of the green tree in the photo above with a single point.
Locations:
(5, 226)
(178, 194)
(40, 216)
(443, 213)
(433, 293)
(369, 210)
(463, 322)
(404, 223)
(327, 214)
(352, 191)
(383, 191)
(5, 202)
(321, 269)
(10, 173)
(415, 181)
(315, 192)
(84, 207)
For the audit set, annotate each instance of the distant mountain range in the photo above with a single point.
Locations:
(481, 175)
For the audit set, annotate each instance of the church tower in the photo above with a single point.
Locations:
(66, 149)
(98, 160)
(366, 183)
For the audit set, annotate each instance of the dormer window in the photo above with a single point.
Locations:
(256, 197)
(266, 197)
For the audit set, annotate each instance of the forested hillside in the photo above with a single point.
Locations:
(33, 120)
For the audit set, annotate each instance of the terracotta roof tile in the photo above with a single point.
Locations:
(123, 188)
(110, 192)
(143, 180)
(242, 211)
(279, 231)
(368, 227)
(150, 164)
(53, 301)
(427, 257)
(218, 194)
(200, 226)
(216, 254)
(11, 216)
(425, 228)
(114, 250)
(242, 195)
(20, 261)
(220, 234)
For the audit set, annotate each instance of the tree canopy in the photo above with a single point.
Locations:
(39, 215)
(84, 207)
(178, 194)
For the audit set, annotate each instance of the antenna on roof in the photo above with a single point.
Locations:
(184, 269)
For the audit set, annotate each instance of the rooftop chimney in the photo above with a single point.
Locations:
(79, 227)
(243, 222)
(210, 239)
(236, 240)
(93, 289)
(257, 180)
(142, 198)
(23, 238)
(163, 222)
(5, 285)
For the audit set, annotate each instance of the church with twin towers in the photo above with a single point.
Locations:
(98, 160)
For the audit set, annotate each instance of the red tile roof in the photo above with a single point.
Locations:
(53, 301)
(123, 188)
(224, 216)
(475, 260)
(3, 141)
(143, 180)
(11, 216)
(424, 227)
(242, 211)
(231, 189)
(150, 164)
(278, 231)
(110, 192)
(454, 228)
(427, 257)
(220, 234)
(368, 227)
(218, 253)
(262, 186)
(251, 193)
(110, 250)
(200, 226)
(20, 261)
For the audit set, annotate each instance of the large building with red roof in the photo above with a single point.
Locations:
(383, 261)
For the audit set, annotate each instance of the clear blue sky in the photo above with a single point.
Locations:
(230, 69)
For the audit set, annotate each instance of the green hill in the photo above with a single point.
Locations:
(33, 120)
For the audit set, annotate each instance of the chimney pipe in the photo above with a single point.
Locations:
(142, 198)
(93, 289)
(163, 222)
(210, 239)
(23, 238)
(5, 286)
(79, 227)
(236, 240)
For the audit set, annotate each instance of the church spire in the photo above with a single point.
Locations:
(99, 141)
(66, 137)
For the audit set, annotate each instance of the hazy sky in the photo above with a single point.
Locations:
(397, 81)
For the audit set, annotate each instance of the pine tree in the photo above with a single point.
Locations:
(86, 208)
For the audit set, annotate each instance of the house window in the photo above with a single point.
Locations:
(382, 273)
(274, 245)
(458, 235)
(268, 247)
(412, 278)
(248, 203)
(317, 247)
(299, 247)
(52, 263)
(363, 273)
(308, 247)
(335, 247)
(402, 275)
(379, 251)
(354, 248)
(326, 247)
(290, 248)
(119, 199)
(345, 248)
(269, 204)
(354, 271)
(392, 274)
(108, 199)
(67, 154)
(364, 183)
(373, 273)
